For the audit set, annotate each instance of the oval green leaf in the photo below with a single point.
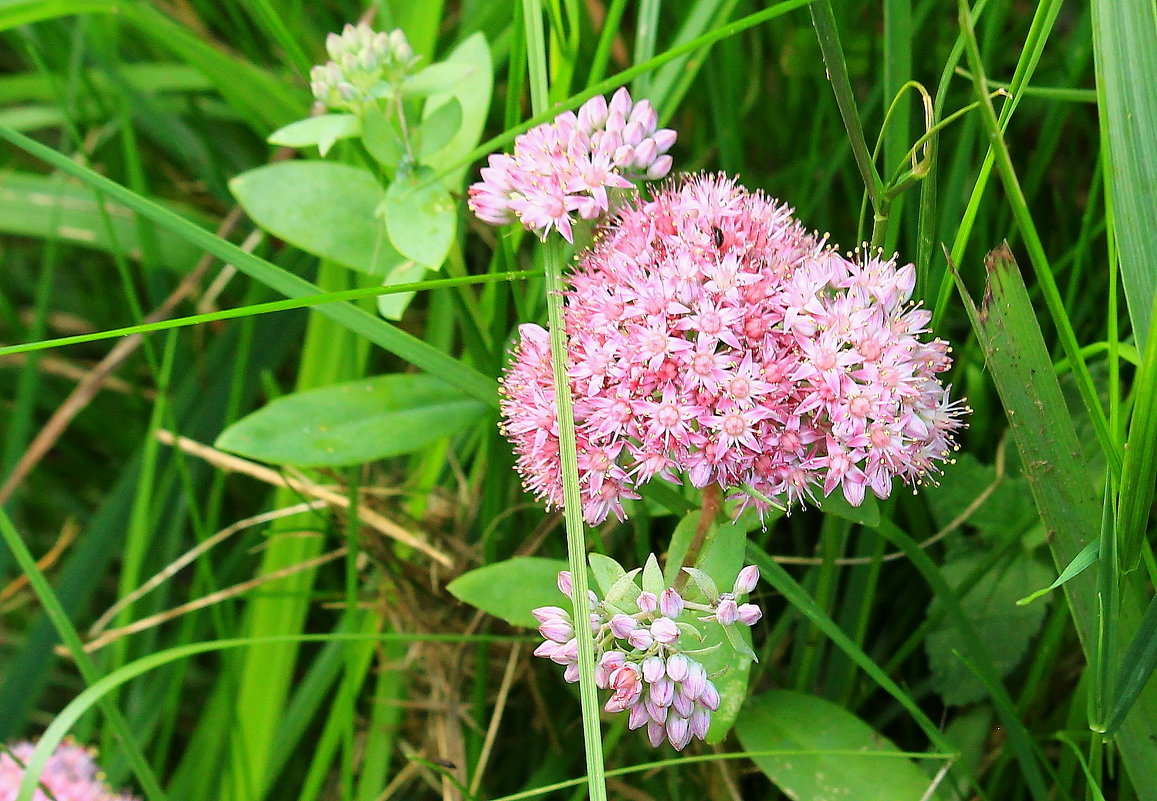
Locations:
(830, 754)
(324, 208)
(352, 423)
(321, 131)
(421, 217)
(509, 590)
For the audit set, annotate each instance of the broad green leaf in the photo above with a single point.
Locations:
(606, 572)
(653, 576)
(441, 77)
(722, 559)
(473, 93)
(1007, 512)
(832, 754)
(352, 423)
(382, 138)
(392, 307)
(321, 131)
(421, 217)
(991, 606)
(439, 127)
(321, 207)
(509, 590)
(680, 542)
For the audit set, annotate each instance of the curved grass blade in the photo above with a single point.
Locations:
(378, 331)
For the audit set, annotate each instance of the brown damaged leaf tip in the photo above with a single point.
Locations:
(997, 260)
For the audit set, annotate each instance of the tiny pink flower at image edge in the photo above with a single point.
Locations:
(71, 774)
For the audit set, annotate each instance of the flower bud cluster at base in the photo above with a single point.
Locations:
(645, 654)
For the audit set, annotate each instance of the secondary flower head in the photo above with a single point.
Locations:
(69, 775)
(568, 166)
(647, 654)
(712, 337)
(362, 63)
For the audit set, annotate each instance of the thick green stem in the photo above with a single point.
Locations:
(573, 515)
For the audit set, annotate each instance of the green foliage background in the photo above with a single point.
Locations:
(318, 653)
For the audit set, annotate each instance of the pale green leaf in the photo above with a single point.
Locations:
(510, 590)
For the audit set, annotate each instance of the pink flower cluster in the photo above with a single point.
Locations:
(644, 656)
(569, 166)
(69, 775)
(711, 336)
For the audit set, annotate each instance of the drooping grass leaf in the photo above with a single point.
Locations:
(352, 423)
(850, 759)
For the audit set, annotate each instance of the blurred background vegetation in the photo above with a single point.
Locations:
(172, 100)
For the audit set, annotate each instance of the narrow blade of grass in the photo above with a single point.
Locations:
(1125, 52)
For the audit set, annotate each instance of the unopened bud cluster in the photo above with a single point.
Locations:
(645, 653)
(363, 63)
(567, 166)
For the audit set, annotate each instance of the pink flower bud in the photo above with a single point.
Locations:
(678, 731)
(727, 612)
(596, 622)
(663, 692)
(637, 717)
(655, 711)
(566, 652)
(653, 669)
(749, 614)
(644, 114)
(571, 674)
(746, 580)
(656, 733)
(592, 115)
(557, 630)
(623, 155)
(645, 153)
(660, 168)
(700, 722)
(695, 682)
(547, 649)
(664, 630)
(682, 704)
(664, 139)
(678, 666)
(709, 697)
(623, 625)
(565, 583)
(647, 602)
(621, 102)
(634, 133)
(641, 639)
(546, 614)
(671, 603)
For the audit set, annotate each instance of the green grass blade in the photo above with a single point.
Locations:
(1136, 667)
(378, 331)
(1037, 257)
(1139, 471)
(75, 647)
(1125, 51)
(829, 37)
